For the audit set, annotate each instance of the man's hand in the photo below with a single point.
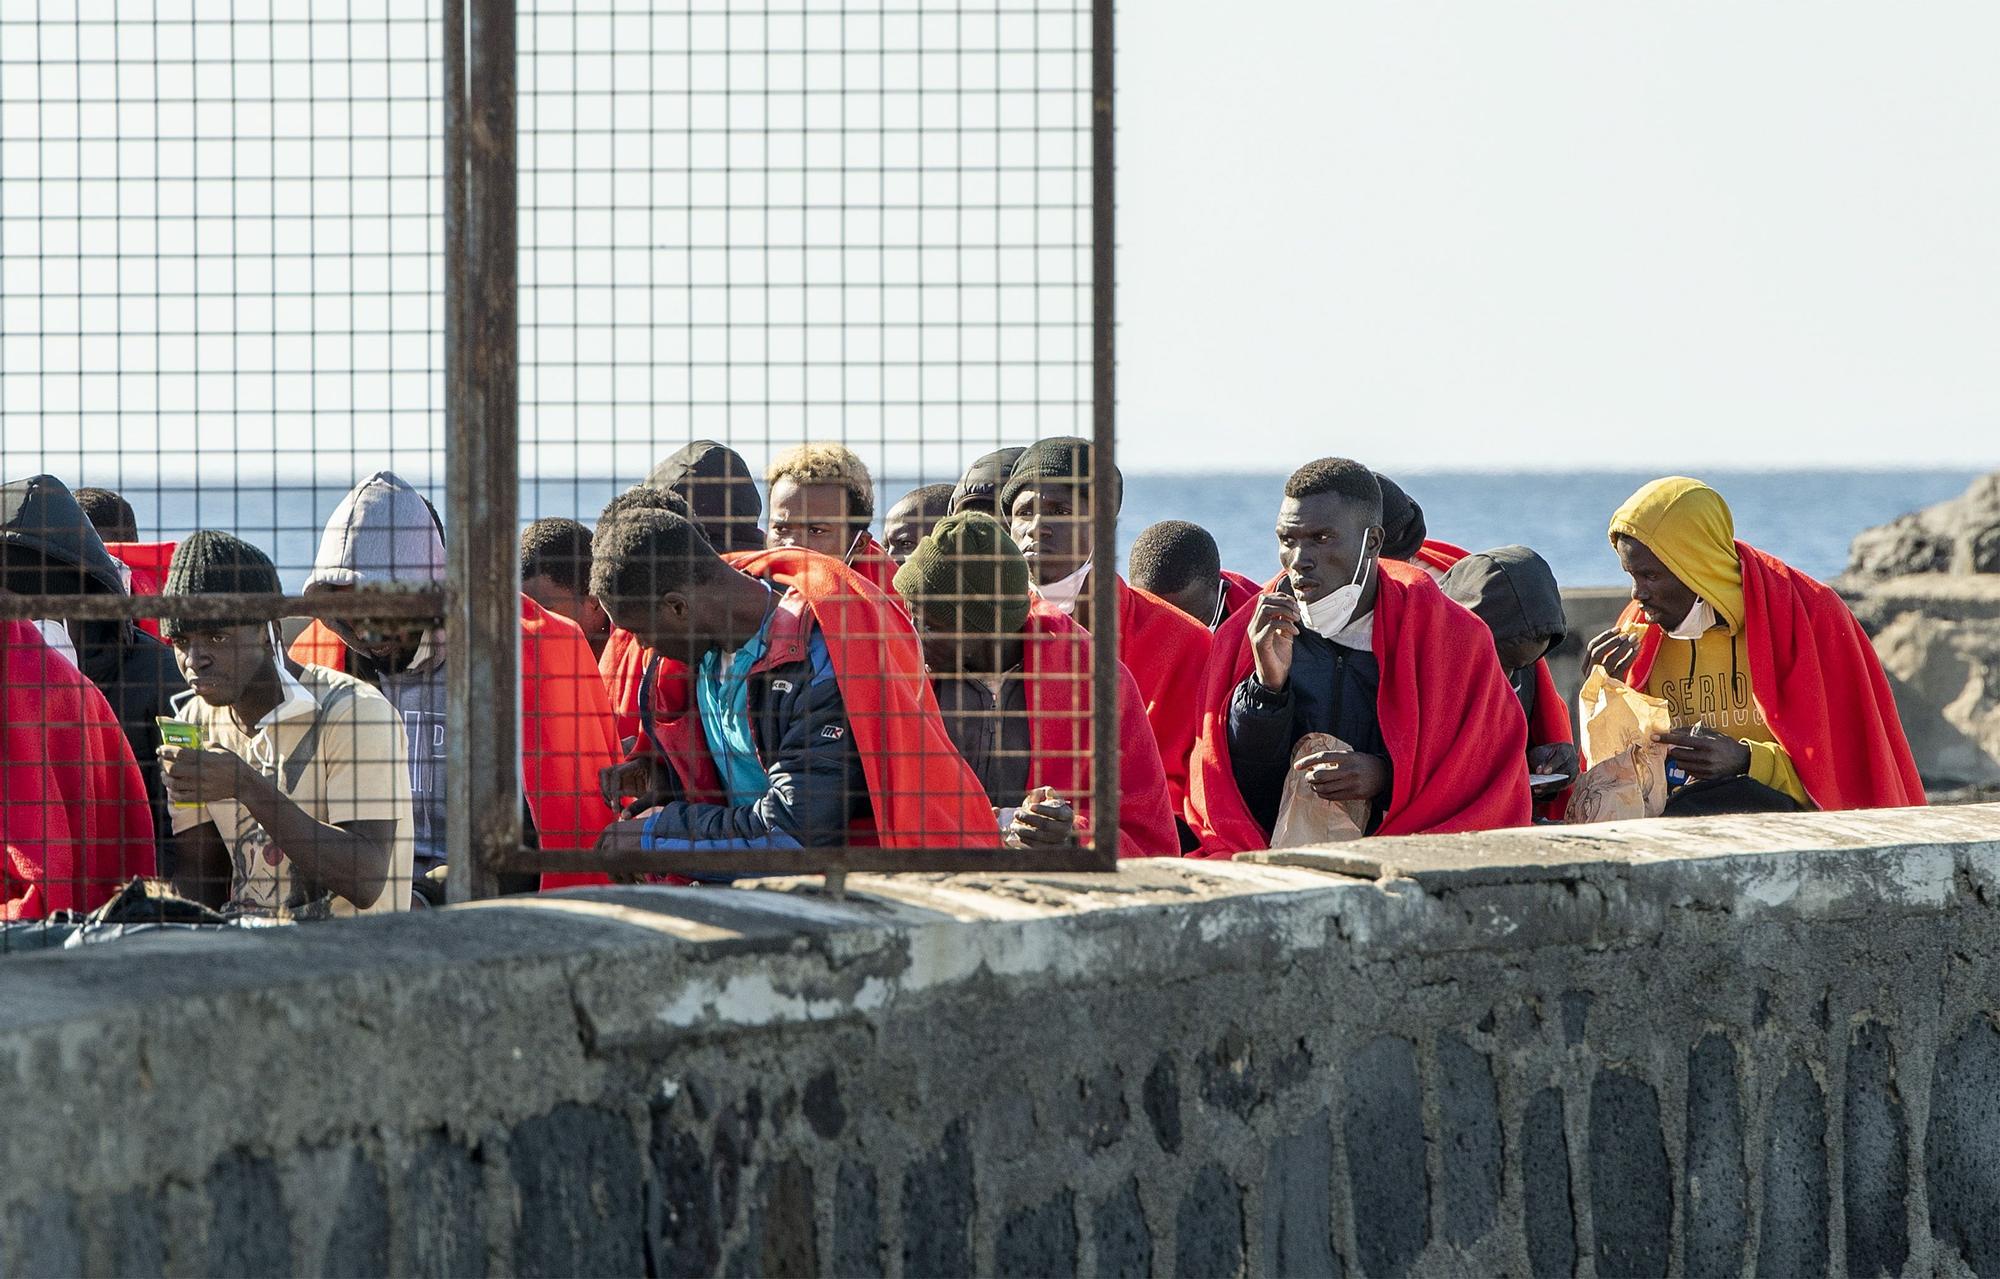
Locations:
(1613, 650)
(1705, 753)
(203, 776)
(1044, 820)
(625, 836)
(1273, 627)
(627, 777)
(1552, 758)
(1344, 776)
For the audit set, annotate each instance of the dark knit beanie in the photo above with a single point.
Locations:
(211, 563)
(1065, 457)
(982, 480)
(1403, 530)
(967, 577)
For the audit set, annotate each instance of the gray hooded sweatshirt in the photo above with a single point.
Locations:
(383, 531)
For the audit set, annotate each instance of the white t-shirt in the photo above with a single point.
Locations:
(336, 748)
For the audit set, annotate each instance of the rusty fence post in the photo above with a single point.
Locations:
(482, 450)
(1104, 495)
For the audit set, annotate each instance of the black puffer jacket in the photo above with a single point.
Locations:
(48, 547)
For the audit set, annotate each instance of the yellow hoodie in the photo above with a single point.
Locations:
(1688, 526)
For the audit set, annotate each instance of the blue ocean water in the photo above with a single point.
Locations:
(1804, 517)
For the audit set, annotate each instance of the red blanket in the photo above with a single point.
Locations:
(148, 562)
(924, 795)
(566, 732)
(75, 824)
(1166, 651)
(1453, 727)
(1819, 684)
(1057, 666)
(1439, 555)
(872, 562)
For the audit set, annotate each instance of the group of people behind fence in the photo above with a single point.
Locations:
(716, 674)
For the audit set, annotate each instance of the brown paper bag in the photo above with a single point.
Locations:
(1629, 776)
(1303, 817)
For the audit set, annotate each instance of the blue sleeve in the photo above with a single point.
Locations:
(815, 774)
(1260, 746)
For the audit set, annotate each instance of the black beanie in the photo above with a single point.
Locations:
(208, 562)
(1403, 530)
(1065, 457)
(967, 577)
(984, 477)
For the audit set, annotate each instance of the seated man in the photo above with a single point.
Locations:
(979, 488)
(1179, 562)
(1048, 510)
(719, 490)
(812, 722)
(822, 499)
(297, 803)
(555, 573)
(48, 547)
(913, 516)
(1405, 536)
(1014, 683)
(1778, 696)
(75, 824)
(384, 532)
(1369, 651)
(1513, 591)
(144, 563)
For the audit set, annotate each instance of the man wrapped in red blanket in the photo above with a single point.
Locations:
(1369, 651)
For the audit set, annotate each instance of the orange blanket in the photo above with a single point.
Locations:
(75, 824)
(1453, 727)
(148, 562)
(1057, 666)
(1166, 651)
(1819, 684)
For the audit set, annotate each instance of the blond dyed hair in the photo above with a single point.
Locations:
(827, 464)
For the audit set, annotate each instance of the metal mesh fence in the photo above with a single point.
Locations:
(790, 264)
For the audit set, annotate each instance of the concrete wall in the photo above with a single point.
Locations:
(1702, 1048)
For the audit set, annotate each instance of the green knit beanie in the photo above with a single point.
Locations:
(211, 563)
(967, 577)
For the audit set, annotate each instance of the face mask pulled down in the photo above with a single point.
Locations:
(1065, 593)
(1699, 620)
(1333, 612)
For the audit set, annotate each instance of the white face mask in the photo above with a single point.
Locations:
(1697, 623)
(56, 635)
(1330, 614)
(1065, 593)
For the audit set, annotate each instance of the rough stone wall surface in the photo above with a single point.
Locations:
(1645, 1048)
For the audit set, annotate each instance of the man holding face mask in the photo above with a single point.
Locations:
(1369, 651)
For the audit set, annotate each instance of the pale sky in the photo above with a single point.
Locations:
(1550, 235)
(1560, 234)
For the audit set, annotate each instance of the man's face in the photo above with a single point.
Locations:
(670, 624)
(1519, 654)
(577, 606)
(1197, 599)
(391, 645)
(812, 516)
(1661, 596)
(905, 526)
(219, 662)
(1051, 525)
(1322, 539)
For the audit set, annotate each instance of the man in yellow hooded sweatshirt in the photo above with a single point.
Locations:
(1777, 698)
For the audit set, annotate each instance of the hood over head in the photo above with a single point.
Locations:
(1688, 525)
(40, 516)
(1513, 591)
(986, 475)
(382, 531)
(1403, 529)
(716, 483)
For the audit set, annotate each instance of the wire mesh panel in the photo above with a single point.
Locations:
(793, 286)
(220, 339)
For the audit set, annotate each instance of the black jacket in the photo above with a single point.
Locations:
(48, 547)
(798, 724)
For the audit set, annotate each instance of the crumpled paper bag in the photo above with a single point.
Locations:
(1628, 775)
(1303, 817)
